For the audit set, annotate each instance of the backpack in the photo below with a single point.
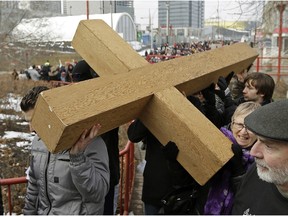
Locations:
(180, 201)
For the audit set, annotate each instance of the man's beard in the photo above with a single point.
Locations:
(278, 176)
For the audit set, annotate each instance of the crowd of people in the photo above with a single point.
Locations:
(166, 52)
(46, 72)
(83, 179)
(63, 73)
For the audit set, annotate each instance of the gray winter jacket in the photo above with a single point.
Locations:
(67, 184)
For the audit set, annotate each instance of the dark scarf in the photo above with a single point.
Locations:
(220, 198)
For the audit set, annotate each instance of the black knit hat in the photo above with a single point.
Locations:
(270, 121)
(82, 71)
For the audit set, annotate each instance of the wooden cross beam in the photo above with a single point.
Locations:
(141, 90)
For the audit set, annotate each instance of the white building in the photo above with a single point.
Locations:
(63, 28)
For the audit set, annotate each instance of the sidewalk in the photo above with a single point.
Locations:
(136, 206)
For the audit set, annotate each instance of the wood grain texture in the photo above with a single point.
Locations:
(203, 149)
(140, 89)
(104, 50)
(122, 97)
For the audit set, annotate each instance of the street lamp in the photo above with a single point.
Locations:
(167, 22)
(150, 29)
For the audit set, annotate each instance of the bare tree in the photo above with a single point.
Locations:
(10, 17)
(18, 47)
(269, 18)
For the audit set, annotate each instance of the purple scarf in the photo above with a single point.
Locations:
(220, 198)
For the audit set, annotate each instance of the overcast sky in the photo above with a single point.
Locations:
(228, 10)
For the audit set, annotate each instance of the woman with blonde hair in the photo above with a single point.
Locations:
(221, 193)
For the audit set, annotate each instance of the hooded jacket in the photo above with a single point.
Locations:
(67, 184)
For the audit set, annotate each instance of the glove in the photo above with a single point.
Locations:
(209, 94)
(237, 167)
(170, 150)
(223, 85)
(224, 90)
(229, 77)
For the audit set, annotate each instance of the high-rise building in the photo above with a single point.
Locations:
(181, 17)
(181, 14)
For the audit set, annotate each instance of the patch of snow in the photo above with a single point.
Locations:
(13, 134)
(12, 117)
(3, 145)
(22, 123)
(13, 102)
(23, 143)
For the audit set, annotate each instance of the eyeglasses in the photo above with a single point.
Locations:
(239, 126)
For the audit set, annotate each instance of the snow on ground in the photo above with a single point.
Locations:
(11, 117)
(22, 135)
(12, 134)
(12, 102)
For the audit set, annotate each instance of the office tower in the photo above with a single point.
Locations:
(181, 14)
(182, 18)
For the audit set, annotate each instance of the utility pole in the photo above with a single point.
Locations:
(111, 12)
(103, 9)
(151, 31)
(167, 23)
(87, 9)
(280, 7)
(218, 19)
(1, 16)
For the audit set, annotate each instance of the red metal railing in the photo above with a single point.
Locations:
(126, 179)
(271, 66)
(12, 181)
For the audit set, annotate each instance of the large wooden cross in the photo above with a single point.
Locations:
(129, 88)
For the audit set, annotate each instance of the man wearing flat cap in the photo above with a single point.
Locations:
(264, 188)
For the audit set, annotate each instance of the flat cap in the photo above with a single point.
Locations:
(270, 121)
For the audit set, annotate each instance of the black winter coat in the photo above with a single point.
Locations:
(159, 179)
(111, 139)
